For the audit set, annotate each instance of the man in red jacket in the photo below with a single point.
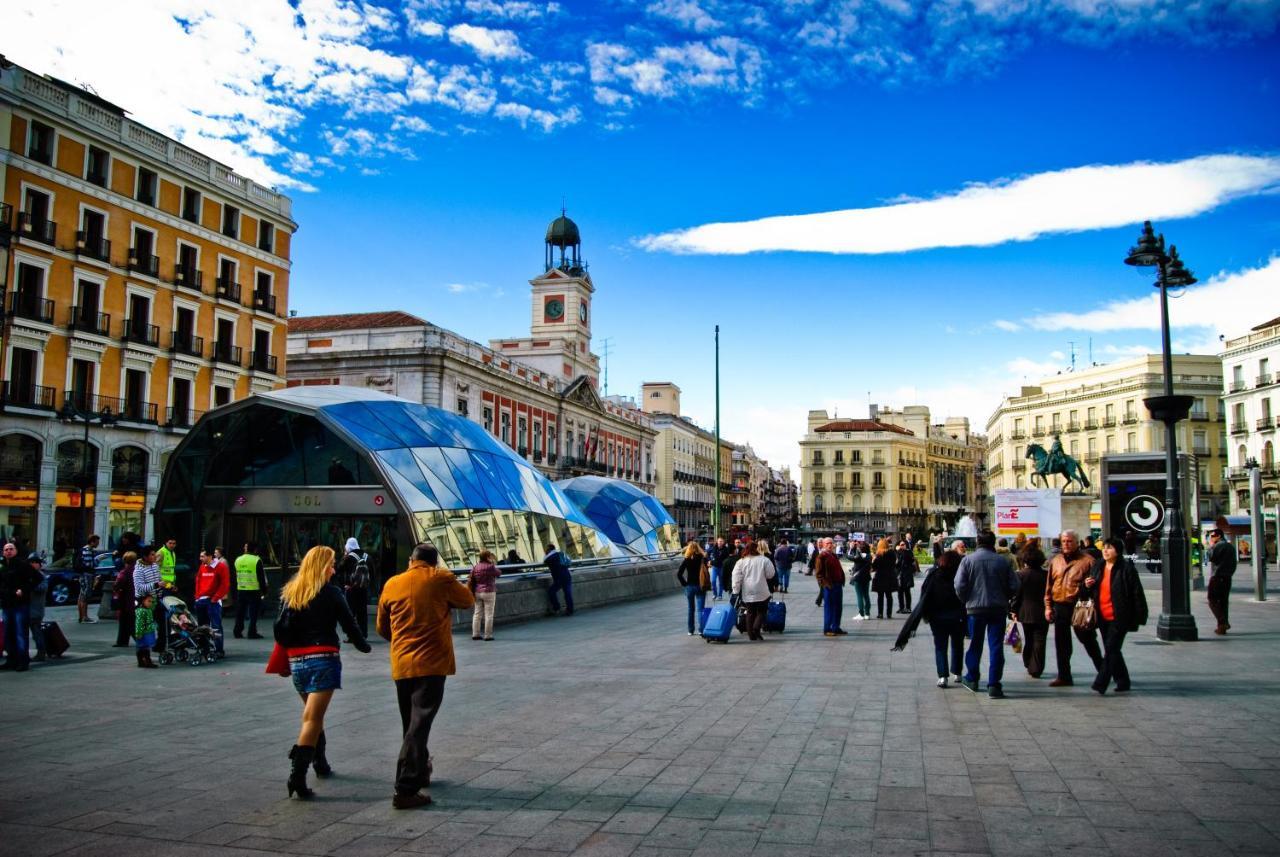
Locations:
(213, 582)
(830, 576)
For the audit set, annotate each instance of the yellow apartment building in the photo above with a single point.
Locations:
(144, 283)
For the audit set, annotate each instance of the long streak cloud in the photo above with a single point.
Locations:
(983, 215)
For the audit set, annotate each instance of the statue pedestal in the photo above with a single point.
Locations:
(1041, 512)
(1075, 514)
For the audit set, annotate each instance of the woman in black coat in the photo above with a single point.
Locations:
(907, 568)
(1121, 604)
(944, 611)
(884, 578)
(861, 578)
(1027, 607)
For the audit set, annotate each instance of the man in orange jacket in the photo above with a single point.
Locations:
(414, 616)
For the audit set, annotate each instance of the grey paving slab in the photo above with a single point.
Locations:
(613, 733)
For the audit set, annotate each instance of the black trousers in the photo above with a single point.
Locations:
(904, 600)
(884, 604)
(1113, 665)
(1219, 590)
(248, 605)
(756, 611)
(162, 627)
(1062, 632)
(419, 700)
(1033, 647)
(124, 626)
(358, 601)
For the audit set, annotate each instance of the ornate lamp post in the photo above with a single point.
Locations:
(69, 413)
(1176, 621)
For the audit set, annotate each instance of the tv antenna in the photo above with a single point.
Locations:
(606, 348)
(1072, 346)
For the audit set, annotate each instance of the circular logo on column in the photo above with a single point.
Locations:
(378, 501)
(1144, 513)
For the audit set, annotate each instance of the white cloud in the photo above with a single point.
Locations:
(430, 29)
(1228, 303)
(515, 10)
(489, 44)
(687, 13)
(412, 124)
(524, 114)
(724, 63)
(1006, 325)
(1070, 200)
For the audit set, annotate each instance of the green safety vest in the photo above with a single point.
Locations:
(247, 572)
(168, 566)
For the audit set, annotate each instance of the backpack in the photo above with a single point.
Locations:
(360, 577)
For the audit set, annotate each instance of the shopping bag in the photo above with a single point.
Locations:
(1084, 617)
(1013, 638)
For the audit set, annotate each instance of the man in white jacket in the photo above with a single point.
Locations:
(751, 576)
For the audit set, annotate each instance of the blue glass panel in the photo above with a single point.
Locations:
(491, 481)
(431, 464)
(397, 421)
(464, 474)
(355, 418)
(406, 478)
(511, 482)
(534, 494)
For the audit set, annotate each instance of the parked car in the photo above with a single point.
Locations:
(64, 584)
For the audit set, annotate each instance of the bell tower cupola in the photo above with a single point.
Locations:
(563, 236)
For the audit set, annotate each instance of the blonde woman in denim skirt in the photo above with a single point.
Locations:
(311, 608)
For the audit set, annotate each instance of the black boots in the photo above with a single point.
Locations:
(301, 758)
(321, 764)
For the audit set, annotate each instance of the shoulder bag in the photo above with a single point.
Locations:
(1084, 616)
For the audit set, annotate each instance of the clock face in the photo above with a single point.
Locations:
(582, 312)
(555, 309)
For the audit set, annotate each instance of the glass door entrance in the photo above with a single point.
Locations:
(283, 540)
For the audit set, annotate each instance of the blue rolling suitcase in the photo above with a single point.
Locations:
(719, 625)
(775, 617)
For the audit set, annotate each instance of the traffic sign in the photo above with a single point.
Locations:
(1144, 513)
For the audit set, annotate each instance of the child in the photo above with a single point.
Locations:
(144, 630)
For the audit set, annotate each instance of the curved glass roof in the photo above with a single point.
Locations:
(624, 513)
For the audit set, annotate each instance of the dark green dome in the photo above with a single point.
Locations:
(563, 232)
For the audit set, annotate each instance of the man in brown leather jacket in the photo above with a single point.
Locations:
(1067, 573)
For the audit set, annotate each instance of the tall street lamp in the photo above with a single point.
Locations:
(70, 413)
(1176, 621)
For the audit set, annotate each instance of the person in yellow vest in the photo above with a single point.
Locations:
(251, 582)
(168, 564)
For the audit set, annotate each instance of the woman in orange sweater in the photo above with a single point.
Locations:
(1114, 586)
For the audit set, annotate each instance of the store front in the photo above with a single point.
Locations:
(306, 466)
(19, 488)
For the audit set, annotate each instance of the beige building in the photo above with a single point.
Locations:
(892, 472)
(684, 460)
(1100, 409)
(1251, 371)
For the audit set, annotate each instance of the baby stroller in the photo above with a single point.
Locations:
(186, 641)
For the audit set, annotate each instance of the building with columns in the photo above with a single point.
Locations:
(537, 394)
(143, 284)
(1251, 402)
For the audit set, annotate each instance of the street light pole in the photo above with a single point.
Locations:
(715, 518)
(1176, 621)
(71, 412)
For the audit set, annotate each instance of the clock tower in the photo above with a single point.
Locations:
(561, 311)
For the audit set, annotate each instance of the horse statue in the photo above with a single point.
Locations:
(1048, 463)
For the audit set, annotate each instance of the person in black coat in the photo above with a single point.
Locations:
(907, 569)
(1117, 594)
(17, 582)
(861, 577)
(884, 578)
(1027, 607)
(945, 612)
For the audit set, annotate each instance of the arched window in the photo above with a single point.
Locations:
(839, 502)
(129, 466)
(20, 460)
(877, 502)
(1269, 456)
(74, 468)
(857, 502)
(1242, 455)
(817, 503)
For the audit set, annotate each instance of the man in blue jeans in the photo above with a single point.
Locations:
(782, 564)
(830, 576)
(17, 581)
(561, 581)
(715, 557)
(985, 582)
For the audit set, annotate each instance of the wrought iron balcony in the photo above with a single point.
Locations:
(93, 246)
(144, 263)
(1130, 419)
(37, 228)
(227, 289)
(1264, 380)
(186, 343)
(1266, 424)
(89, 321)
(188, 277)
(225, 352)
(1090, 425)
(264, 301)
(1017, 434)
(28, 396)
(262, 361)
(1239, 428)
(1238, 386)
(181, 418)
(1109, 422)
(1073, 426)
(31, 307)
(139, 332)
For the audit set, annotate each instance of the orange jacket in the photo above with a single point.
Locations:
(1066, 577)
(414, 615)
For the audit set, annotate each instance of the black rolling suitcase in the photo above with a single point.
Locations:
(55, 642)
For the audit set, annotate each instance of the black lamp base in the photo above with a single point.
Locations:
(1179, 627)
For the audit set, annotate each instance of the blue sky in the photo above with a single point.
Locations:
(984, 161)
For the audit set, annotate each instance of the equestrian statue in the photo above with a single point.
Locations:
(1056, 461)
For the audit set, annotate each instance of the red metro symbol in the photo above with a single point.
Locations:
(378, 501)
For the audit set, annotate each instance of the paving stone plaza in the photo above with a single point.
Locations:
(613, 733)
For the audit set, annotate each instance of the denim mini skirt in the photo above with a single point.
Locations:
(316, 673)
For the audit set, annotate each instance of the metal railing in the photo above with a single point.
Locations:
(1266, 424)
(1239, 428)
(1238, 386)
(28, 396)
(28, 306)
(264, 301)
(1264, 379)
(262, 361)
(37, 228)
(138, 331)
(181, 417)
(94, 246)
(227, 289)
(224, 352)
(89, 321)
(186, 343)
(144, 263)
(187, 277)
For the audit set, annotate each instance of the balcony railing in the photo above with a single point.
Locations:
(94, 246)
(1090, 425)
(188, 277)
(264, 301)
(28, 396)
(89, 321)
(144, 263)
(6, 219)
(1238, 386)
(227, 289)
(1108, 422)
(1038, 431)
(30, 307)
(1073, 426)
(224, 352)
(1130, 419)
(1240, 428)
(181, 417)
(1202, 416)
(186, 343)
(1266, 424)
(37, 228)
(1017, 434)
(264, 362)
(124, 409)
(1264, 379)
(141, 333)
